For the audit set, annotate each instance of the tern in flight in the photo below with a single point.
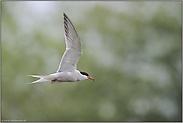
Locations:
(67, 69)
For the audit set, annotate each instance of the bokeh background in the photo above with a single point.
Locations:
(132, 49)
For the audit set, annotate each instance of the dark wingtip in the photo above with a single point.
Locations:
(65, 16)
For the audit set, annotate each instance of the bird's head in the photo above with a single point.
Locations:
(86, 74)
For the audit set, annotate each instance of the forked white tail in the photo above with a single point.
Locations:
(42, 79)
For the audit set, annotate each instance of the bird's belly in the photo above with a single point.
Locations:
(66, 80)
(66, 77)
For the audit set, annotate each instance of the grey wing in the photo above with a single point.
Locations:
(73, 48)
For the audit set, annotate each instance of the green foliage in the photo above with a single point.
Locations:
(134, 56)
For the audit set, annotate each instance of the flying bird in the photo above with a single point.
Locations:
(67, 69)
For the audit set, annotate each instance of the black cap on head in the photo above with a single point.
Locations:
(84, 73)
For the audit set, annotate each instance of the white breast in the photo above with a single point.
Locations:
(68, 76)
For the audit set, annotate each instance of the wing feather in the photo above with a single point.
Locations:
(73, 47)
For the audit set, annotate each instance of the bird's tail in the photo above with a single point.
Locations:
(42, 79)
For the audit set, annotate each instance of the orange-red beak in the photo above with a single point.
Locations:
(91, 78)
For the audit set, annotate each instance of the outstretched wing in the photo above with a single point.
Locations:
(73, 48)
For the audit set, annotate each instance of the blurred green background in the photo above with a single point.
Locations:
(132, 49)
